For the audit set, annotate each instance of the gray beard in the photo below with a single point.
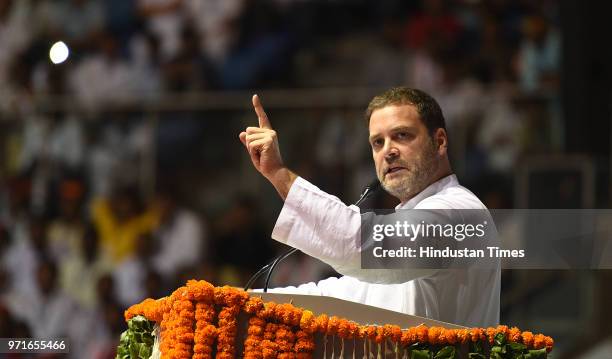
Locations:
(418, 178)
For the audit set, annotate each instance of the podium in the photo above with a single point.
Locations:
(202, 321)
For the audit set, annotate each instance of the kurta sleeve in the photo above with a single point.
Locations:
(322, 226)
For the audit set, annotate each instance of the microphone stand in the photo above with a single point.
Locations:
(367, 192)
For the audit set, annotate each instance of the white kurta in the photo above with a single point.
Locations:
(321, 226)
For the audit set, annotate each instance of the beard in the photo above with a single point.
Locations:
(416, 178)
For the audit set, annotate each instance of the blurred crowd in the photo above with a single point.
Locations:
(81, 238)
(144, 48)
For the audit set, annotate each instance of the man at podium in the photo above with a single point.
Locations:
(409, 144)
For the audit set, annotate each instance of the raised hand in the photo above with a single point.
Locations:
(262, 145)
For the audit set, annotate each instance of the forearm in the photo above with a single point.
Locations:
(319, 224)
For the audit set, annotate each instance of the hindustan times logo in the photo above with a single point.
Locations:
(414, 231)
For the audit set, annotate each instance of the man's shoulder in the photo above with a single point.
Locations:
(452, 197)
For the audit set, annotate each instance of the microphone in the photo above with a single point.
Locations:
(368, 190)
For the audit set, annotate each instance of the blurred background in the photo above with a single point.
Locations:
(122, 176)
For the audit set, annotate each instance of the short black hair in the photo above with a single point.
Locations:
(427, 107)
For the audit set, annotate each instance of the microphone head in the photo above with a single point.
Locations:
(374, 185)
(371, 188)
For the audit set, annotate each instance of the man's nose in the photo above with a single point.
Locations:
(391, 152)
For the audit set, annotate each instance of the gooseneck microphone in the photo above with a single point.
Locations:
(368, 190)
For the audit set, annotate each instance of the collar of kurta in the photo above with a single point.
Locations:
(439, 185)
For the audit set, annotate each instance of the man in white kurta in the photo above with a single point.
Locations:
(409, 152)
(467, 297)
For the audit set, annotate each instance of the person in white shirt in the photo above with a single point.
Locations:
(409, 145)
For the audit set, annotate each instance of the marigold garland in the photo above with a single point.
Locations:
(255, 336)
(305, 342)
(188, 329)
(268, 345)
(205, 332)
(285, 338)
(227, 329)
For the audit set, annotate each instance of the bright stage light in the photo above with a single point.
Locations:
(59, 52)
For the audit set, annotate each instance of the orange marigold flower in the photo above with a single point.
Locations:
(333, 325)
(539, 341)
(491, 334)
(463, 335)
(199, 348)
(371, 332)
(451, 336)
(225, 355)
(308, 322)
(267, 311)
(503, 329)
(549, 343)
(527, 338)
(270, 331)
(514, 334)
(180, 293)
(321, 323)
(285, 333)
(305, 342)
(200, 290)
(433, 334)
(344, 330)
(380, 335)
(395, 333)
(353, 330)
(230, 296)
(422, 334)
(182, 354)
(185, 337)
(253, 305)
(476, 334)
(408, 337)
(183, 347)
(255, 330)
(269, 349)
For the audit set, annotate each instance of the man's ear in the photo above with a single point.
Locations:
(440, 140)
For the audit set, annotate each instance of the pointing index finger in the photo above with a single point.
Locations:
(261, 114)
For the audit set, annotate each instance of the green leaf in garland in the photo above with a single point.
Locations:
(499, 349)
(536, 354)
(517, 347)
(448, 352)
(476, 351)
(420, 354)
(500, 339)
(476, 356)
(145, 352)
(476, 348)
(137, 341)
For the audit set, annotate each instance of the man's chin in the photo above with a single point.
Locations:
(395, 188)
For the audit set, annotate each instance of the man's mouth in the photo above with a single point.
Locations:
(392, 170)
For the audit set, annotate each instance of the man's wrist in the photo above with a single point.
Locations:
(282, 179)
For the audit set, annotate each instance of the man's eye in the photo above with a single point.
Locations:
(377, 143)
(403, 135)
